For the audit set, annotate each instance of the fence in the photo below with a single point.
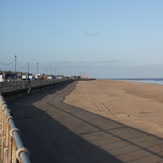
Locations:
(17, 85)
(12, 149)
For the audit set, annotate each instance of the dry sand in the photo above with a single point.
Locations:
(100, 121)
(139, 105)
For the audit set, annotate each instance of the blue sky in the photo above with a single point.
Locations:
(102, 38)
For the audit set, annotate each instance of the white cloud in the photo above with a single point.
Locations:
(91, 34)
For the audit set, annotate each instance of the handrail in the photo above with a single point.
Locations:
(12, 149)
(18, 85)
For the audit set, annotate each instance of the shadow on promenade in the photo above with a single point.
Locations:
(56, 132)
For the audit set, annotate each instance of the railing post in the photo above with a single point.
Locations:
(12, 149)
(14, 159)
(2, 129)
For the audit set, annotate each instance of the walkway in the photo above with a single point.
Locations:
(56, 132)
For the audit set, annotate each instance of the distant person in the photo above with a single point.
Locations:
(29, 85)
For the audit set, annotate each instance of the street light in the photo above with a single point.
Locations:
(37, 68)
(15, 63)
(28, 67)
(54, 71)
(51, 70)
(28, 70)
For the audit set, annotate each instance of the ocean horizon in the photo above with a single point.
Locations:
(142, 80)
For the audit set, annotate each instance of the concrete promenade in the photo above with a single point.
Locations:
(56, 132)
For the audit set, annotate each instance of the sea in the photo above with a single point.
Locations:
(142, 80)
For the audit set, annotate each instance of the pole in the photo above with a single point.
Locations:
(15, 63)
(28, 67)
(28, 70)
(37, 68)
(54, 71)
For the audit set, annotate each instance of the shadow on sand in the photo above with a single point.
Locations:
(56, 132)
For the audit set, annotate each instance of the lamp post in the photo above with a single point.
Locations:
(15, 63)
(28, 70)
(54, 71)
(51, 70)
(37, 68)
(28, 67)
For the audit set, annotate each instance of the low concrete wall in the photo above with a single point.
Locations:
(23, 91)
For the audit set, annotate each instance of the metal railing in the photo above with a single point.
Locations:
(17, 85)
(12, 149)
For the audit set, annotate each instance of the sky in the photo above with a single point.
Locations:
(100, 38)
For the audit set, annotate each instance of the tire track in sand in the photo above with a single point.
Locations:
(99, 104)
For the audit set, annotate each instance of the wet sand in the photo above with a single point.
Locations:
(92, 121)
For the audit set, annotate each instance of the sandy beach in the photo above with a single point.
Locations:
(100, 121)
(139, 105)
